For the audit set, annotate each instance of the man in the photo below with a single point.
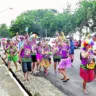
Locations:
(21, 43)
(72, 47)
(25, 58)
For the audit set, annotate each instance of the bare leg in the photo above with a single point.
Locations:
(72, 58)
(25, 76)
(38, 65)
(33, 66)
(9, 62)
(16, 65)
(6, 56)
(46, 71)
(55, 65)
(84, 87)
(28, 75)
(63, 72)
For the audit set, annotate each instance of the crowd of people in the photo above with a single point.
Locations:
(34, 56)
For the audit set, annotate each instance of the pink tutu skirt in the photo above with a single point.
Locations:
(86, 74)
(65, 63)
(39, 56)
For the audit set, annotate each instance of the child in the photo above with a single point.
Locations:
(46, 59)
(12, 55)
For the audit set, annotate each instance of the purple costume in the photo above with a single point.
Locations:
(39, 53)
(46, 56)
(65, 61)
(57, 53)
(26, 53)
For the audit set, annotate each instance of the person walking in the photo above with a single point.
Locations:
(65, 62)
(87, 64)
(25, 57)
(72, 47)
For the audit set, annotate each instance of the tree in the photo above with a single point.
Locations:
(36, 20)
(4, 32)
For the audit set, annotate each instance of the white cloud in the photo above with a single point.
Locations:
(20, 6)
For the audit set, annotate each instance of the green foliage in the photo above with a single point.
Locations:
(86, 12)
(4, 32)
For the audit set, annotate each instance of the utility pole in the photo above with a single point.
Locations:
(46, 33)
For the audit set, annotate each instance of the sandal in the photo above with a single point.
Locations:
(66, 80)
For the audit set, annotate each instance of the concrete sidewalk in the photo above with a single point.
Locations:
(8, 87)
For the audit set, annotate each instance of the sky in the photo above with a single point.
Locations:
(20, 6)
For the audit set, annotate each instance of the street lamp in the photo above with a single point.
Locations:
(6, 9)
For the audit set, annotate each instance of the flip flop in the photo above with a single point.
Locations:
(66, 80)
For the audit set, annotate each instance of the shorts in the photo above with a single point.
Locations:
(56, 59)
(26, 66)
(49, 59)
(33, 57)
(13, 58)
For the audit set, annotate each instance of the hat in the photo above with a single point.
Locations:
(86, 42)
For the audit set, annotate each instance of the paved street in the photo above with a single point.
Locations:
(74, 86)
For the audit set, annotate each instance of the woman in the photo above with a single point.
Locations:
(33, 54)
(6, 48)
(72, 46)
(46, 58)
(56, 55)
(65, 61)
(25, 57)
(12, 55)
(39, 54)
(86, 73)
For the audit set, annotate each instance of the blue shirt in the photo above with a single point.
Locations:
(20, 44)
(72, 47)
